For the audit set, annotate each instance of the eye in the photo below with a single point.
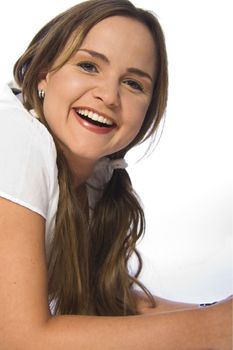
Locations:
(88, 67)
(135, 85)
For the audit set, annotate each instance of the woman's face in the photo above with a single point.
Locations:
(96, 103)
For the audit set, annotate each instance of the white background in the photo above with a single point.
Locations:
(186, 184)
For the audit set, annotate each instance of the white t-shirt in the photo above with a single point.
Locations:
(28, 169)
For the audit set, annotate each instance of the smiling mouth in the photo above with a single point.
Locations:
(95, 119)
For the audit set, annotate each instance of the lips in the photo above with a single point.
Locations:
(95, 117)
(93, 121)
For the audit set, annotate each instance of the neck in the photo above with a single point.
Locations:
(81, 171)
(81, 168)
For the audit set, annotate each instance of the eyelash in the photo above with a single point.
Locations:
(84, 65)
(88, 67)
(135, 85)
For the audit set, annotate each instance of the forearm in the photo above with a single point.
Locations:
(162, 305)
(179, 330)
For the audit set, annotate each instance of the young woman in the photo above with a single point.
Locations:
(91, 85)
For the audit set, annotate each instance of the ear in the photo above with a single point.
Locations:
(43, 81)
(42, 85)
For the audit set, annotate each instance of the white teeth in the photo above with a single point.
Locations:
(95, 116)
(101, 119)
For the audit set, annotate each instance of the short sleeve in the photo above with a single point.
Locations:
(26, 160)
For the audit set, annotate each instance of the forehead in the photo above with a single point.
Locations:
(123, 39)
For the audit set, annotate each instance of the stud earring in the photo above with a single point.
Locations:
(41, 94)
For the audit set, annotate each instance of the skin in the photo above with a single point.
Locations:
(25, 320)
(105, 84)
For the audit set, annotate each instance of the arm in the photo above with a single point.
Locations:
(26, 323)
(201, 329)
(162, 305)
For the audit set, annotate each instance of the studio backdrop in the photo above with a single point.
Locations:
(186, 183)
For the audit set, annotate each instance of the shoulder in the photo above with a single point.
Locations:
(27, 157)
(18, 127)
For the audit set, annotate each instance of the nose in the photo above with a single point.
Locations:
(108, 93)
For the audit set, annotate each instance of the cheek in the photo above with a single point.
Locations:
(136, 121)
(134, 126)
(65, 85)
(138, 115)
(61, 92)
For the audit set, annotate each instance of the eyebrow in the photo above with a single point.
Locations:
(133, 70)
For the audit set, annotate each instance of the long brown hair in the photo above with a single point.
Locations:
(88, 264)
